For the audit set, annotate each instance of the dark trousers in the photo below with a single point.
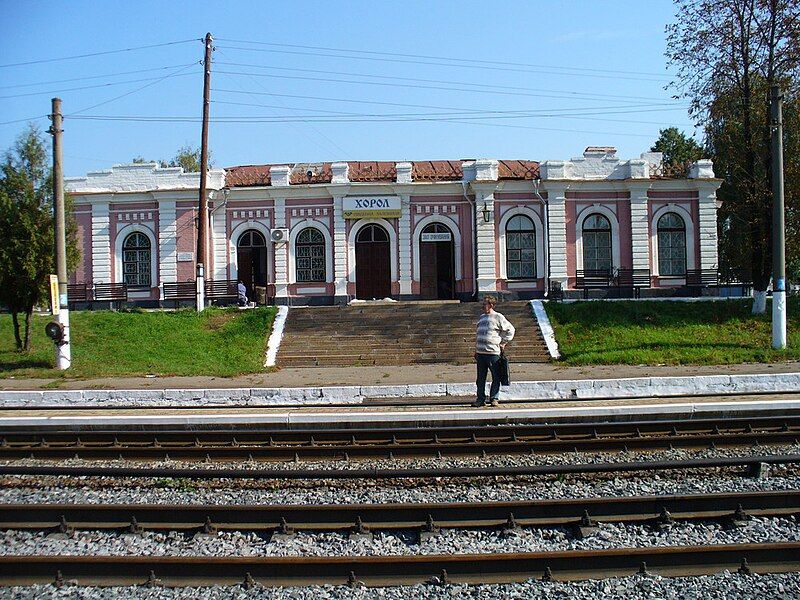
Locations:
(488, 362)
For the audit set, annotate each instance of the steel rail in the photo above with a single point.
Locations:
(283, 445)
(397, 570)
(750, 462)
(587, 512)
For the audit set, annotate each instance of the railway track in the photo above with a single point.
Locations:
(397, 570)
(732, 508)
(282, 444)
(750, 464)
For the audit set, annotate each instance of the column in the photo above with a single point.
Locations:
(339, 251)
(487, 276)
(167, 242)
(219, 231)
(640, 228)
(281, 250)
(101, 243)
(557, 232)
(707, 238)
(405, 242)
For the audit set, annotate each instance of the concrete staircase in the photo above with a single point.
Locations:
(404, 333)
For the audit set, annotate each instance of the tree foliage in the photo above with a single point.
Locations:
(679, 151)
(186, 157)
(27, 250)
(728, 54)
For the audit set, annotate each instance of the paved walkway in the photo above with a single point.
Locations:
(420, 374)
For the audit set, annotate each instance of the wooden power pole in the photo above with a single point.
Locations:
(202, 227)
(63, 347)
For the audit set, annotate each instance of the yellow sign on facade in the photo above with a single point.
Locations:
(371, 207)
(54, 294)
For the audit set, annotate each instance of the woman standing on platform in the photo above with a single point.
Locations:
(494, 332)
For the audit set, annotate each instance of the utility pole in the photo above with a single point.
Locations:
(778, 224)
(63, 349)
(202, 228)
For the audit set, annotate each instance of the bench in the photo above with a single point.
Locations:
(180, 290)
(110, 292)
(737, 277)
(697, 279)
(77, 292)
(634, 280)
(222, 289)
(592, 279)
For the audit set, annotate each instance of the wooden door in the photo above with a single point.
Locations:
(373, 267)
(428, 278)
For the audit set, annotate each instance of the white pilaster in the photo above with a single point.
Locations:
(557, 232)
(487, 276)
(708, 226)
(101, 243)
(219, 229)
(640, 230)
(167, 242)
(404, 240)
(339, 250)
(281, 253)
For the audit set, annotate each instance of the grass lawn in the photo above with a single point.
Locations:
(702, 333)
(219, 342)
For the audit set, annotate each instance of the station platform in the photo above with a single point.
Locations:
(410, 412)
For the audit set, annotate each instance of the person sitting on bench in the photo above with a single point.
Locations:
(241, 291)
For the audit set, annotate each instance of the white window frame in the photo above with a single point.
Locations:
(537, 224)
(295, 231)
(691, 261)
(613, 221)
(122, 235)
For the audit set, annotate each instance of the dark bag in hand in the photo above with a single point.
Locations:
(504, 369)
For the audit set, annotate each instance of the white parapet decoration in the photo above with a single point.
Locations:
(141, 177)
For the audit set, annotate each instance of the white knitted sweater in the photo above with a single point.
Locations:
(493, 329)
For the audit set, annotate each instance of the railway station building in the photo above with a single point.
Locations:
(326, 233)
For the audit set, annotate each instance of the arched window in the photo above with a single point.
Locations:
(372, 233)
(671, 245)
(252, 239)
(309, 251)
(597, 243)
(520, 248)
(136, 260)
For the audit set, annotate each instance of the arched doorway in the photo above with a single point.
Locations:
(251, 260)
(436, 263)
(373, 268)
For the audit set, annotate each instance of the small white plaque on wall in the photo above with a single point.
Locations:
(185, 256)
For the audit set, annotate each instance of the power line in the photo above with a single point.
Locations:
(22, 85)
(382, 83)
(567, 93)
(106, 52)
(23, 120)
(492, 63)
(92, 87)
(467, 111)
(175, 74)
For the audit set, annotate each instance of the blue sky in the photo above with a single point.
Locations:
(532, 80)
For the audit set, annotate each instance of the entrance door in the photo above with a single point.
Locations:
(373, 269)
(436, 263)
(251, 260)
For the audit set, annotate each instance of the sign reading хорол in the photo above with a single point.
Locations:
(370, 207)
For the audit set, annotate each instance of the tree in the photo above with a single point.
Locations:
(188, 158)
(728, 54)
(27, 254)
(678, 149)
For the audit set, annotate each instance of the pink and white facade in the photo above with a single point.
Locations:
(330, 232)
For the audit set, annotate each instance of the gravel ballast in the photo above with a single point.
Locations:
(730, 586)
(449, 541)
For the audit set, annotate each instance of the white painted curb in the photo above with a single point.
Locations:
(547, 330)
(581, 389)
(276, 336)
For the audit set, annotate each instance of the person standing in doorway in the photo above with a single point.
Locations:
(494, 332)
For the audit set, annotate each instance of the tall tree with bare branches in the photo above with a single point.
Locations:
(728, 54)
